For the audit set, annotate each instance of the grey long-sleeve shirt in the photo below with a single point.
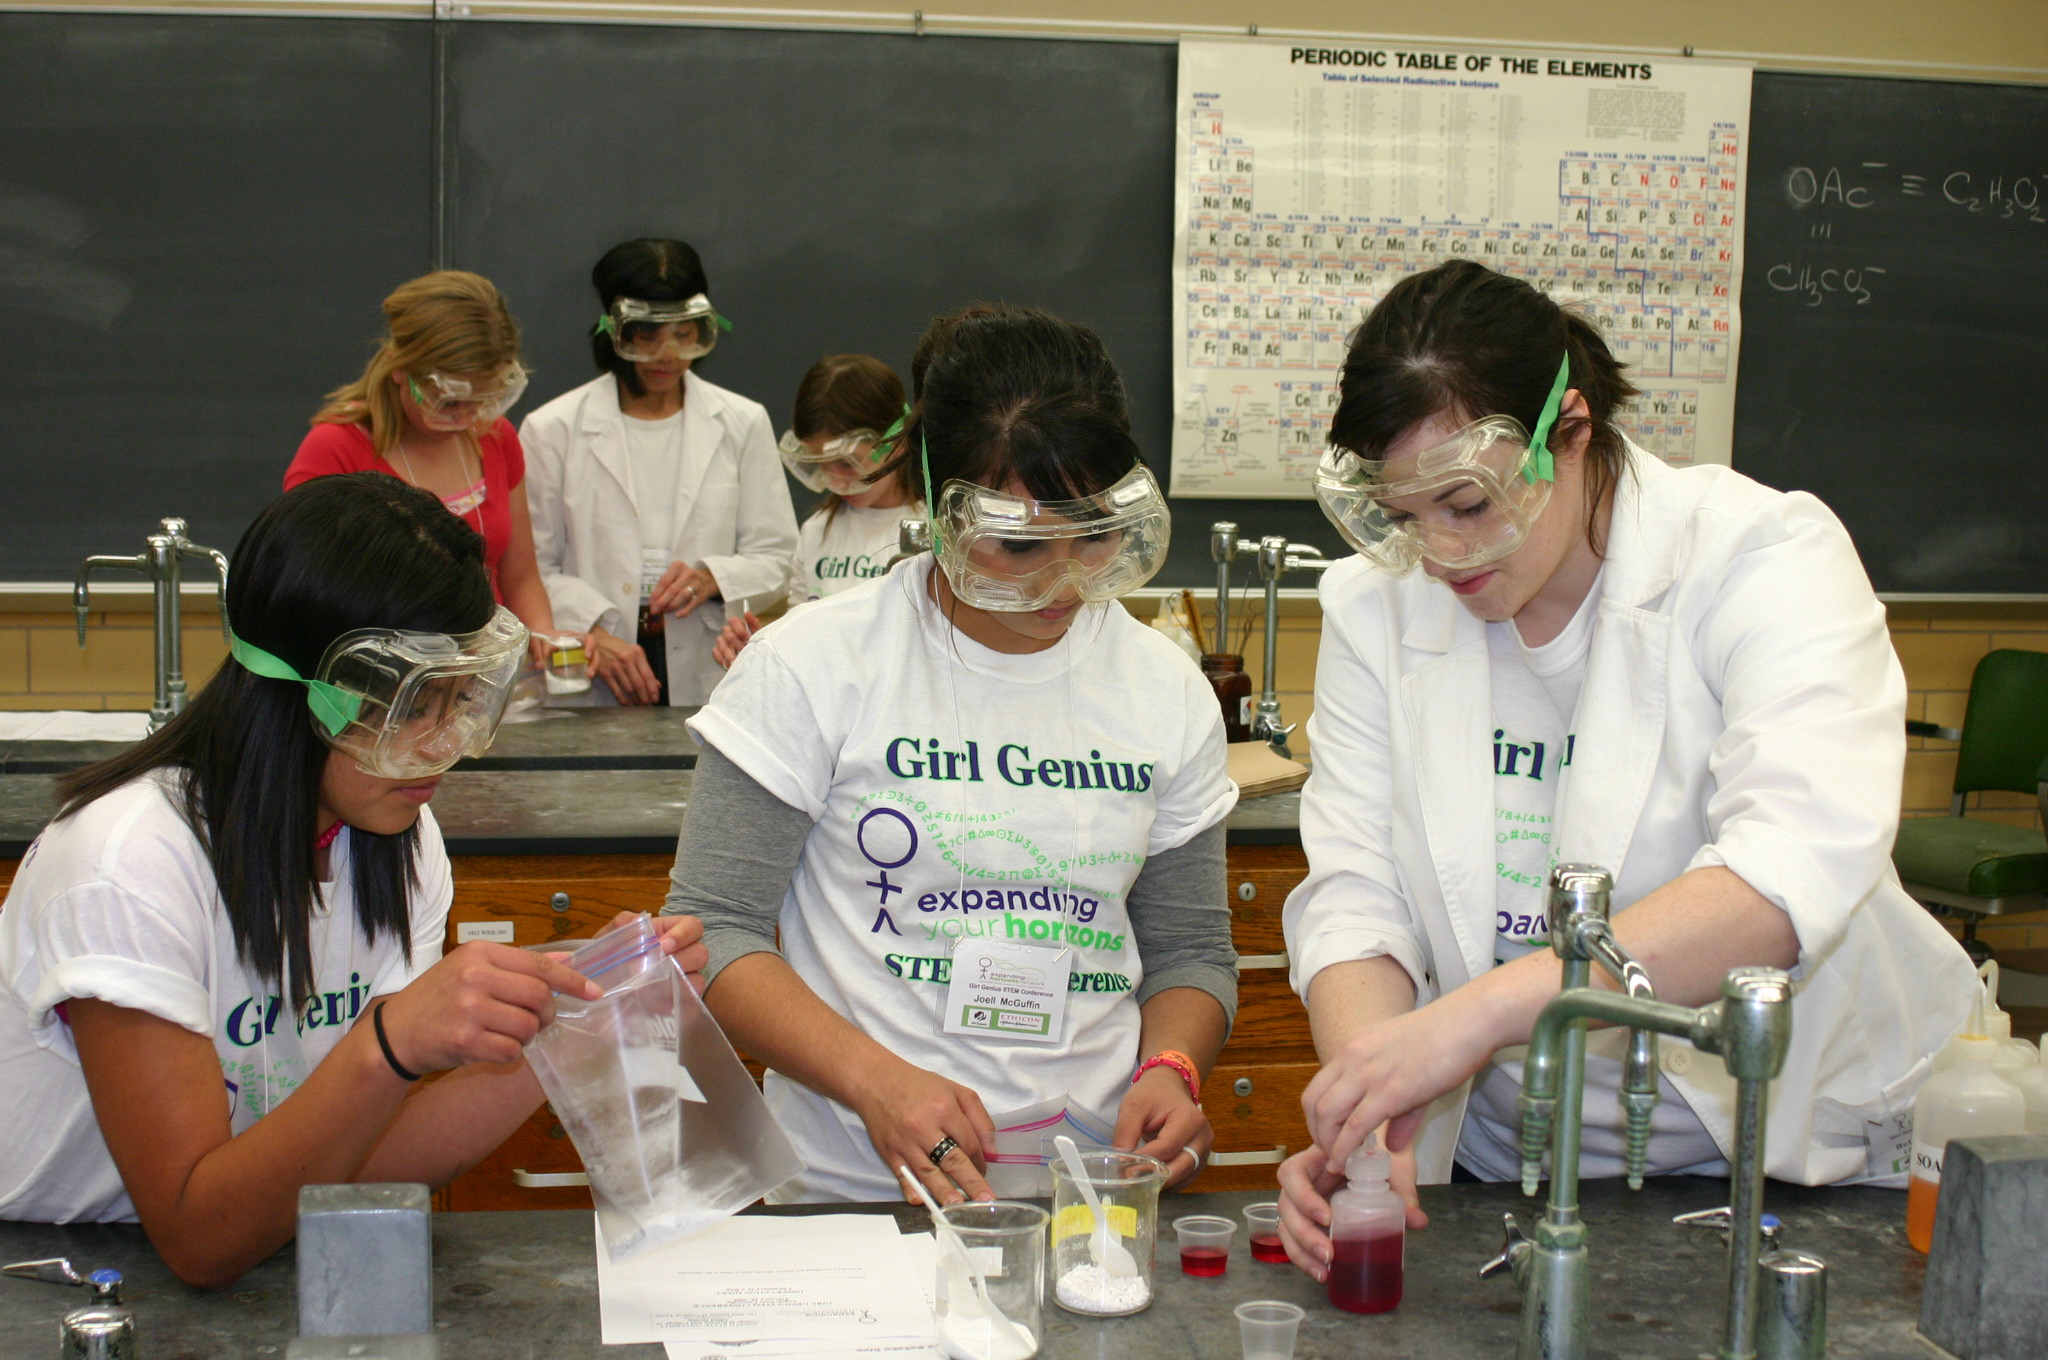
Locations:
(740, 845)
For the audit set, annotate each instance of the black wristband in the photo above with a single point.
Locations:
(384, 1042)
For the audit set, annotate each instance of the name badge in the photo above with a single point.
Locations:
(653, 565)
(1008, 989)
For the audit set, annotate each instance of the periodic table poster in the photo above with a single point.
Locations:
(1313, 176)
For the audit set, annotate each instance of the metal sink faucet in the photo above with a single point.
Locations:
(1277, 557)
(161, 561)
(1750, 1028)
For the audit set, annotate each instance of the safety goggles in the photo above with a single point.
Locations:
(840, 464)
(407, 705)
(1013, 555)
(1466, 501)
(643, 331)
(460, 404)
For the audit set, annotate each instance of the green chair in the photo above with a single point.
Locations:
(1967, 866)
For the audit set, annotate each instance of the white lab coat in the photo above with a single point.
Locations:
(1742, 707)
(732, 515)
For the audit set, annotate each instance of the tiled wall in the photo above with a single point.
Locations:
(43, 667)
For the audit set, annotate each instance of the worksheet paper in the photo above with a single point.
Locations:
(1311, 176)
(922, 1251)
(843, 1281)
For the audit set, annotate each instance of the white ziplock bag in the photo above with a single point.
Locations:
(673, 1132)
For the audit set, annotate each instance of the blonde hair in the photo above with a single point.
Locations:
(450, 321)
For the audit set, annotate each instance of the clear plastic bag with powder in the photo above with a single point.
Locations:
(672, 1131)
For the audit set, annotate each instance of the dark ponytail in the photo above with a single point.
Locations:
(1463, 339)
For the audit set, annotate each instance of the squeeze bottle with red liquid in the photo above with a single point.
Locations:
(1368, 1229)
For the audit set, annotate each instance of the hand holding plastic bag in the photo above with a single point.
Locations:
(672, 1131)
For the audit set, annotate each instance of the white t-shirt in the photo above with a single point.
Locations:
(961, 792)
(654, 454)
(1535, 702)
(118, 903)
(836, 552)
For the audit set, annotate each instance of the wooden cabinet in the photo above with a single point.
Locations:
(1253, 1096)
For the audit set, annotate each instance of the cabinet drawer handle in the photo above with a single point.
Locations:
(542, 1180)
(1247, 962)
(1269, 1157)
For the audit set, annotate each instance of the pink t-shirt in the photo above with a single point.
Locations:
(331, 449)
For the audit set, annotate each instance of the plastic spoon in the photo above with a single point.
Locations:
(1105, 1246)
(1013, 1334)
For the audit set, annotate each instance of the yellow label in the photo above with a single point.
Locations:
(1076, 1219)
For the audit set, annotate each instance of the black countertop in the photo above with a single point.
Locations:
(576, 812)
(529, 739)
(523, 1286)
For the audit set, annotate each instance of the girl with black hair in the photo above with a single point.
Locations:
(1677, 675)
(659, 508)
(220, 965)
(848, 412)
(979, 767)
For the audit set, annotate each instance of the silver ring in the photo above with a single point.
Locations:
(941, 1148)
(1195, 1153)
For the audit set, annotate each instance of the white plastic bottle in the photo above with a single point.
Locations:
(2033, 1087)
(2014, 1055)
(1368, 1234)
(1966, 1098)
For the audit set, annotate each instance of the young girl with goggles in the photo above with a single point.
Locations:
(983, 752)
(658, 502)
(1677, 675)
(257, 894)
(847, 417)
(429, 409)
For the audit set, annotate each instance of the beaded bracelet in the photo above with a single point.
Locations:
(1179, 1062)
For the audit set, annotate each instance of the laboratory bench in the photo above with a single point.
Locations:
(551, 834)
(523, 1285)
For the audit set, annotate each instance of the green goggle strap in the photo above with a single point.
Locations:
(931, 493)
(888, 439)
(333, 706)
(1541, 467)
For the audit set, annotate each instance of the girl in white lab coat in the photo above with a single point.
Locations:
(1679, 675)
(658, 501)
(848, 409)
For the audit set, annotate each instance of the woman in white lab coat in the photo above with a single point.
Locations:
(1681, 676)
(657, 497)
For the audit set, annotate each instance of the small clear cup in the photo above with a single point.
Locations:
(568, 666)
(1204, 1244)
(1266, 1328)
(1006, 1241)
(1128, 1184)
(1262, 1225)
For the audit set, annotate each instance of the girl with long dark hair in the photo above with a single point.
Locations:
(220, 965)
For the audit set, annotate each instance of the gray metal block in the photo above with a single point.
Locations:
(364, 1348)
(366, 1260)
(1983, 1295)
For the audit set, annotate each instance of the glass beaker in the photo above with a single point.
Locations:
(568, 665)
(1006, 1242)
(1128, 1184)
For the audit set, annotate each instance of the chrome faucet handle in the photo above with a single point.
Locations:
(1514, 1245)
(105, 1285)
(1719, 1220)
(220, 567)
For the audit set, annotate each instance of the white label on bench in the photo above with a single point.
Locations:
(497, 932)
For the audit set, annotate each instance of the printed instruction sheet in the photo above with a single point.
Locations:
(1312, 176)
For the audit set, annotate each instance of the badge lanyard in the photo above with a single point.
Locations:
(1009, 988)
